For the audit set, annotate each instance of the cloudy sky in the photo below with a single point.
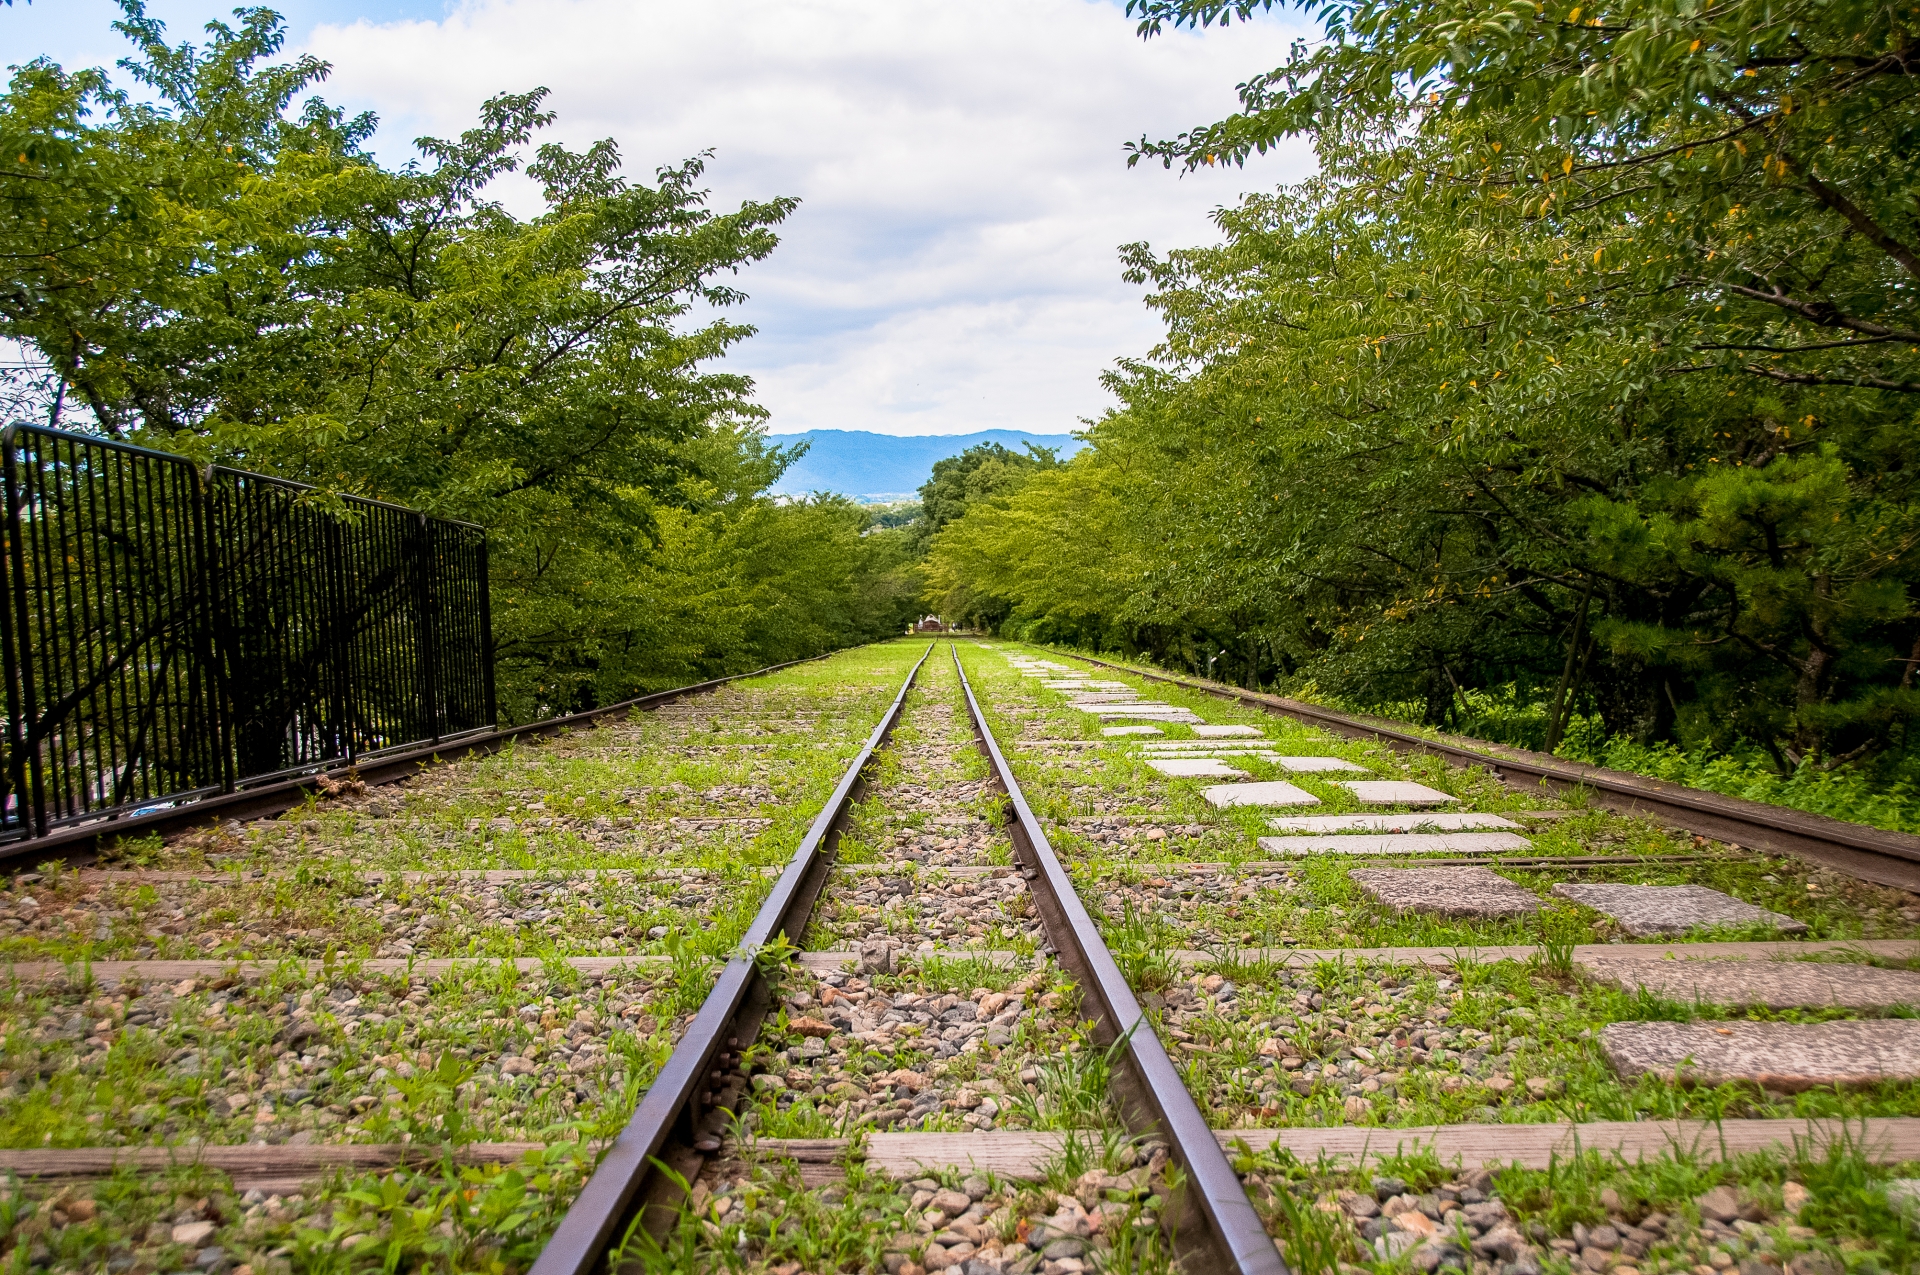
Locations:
(952, 265)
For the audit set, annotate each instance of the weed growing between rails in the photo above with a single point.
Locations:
(313, 1059)
(1312, 902)
(942, 1020)
(344, 915)
(1375, 1044)
(309, 1046)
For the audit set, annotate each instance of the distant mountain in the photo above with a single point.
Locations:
(874, 467)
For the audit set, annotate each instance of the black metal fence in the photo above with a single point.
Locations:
(173, 631)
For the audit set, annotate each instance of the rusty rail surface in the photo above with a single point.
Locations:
(1220, 1228)
(681, 1116)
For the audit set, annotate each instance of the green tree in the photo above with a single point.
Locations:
(1585, 365)
(983, 470)
(219, 267)
(982, 476)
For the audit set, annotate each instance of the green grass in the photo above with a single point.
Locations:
(1856, 1228)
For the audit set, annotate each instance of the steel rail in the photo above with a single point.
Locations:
(668, 1130)
(83, 840)
(1871, 854)
(1220, 1226)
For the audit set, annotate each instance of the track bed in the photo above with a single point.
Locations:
(830, 975)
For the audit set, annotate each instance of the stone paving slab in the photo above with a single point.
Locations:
(1886, 949)
(1322, 766)
(1196, 768)
(1649, 911)
(1131, 730)
(1459, 892)
(111, 974)
(1747, 955)
(1272, 793)
(1413, 821)
(1225, 732)
(1213, 746)
(1027, 1156)
(1395, 792)
(1210, 749)
(1398, 843)
(1784, 1056)
(1767, 984)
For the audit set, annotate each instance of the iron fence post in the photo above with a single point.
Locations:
(338, 651)
(486, 627)
(23, 760)
(202, 560)
(427, 625)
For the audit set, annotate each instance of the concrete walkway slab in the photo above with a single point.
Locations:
(1650, 911)
(1783, 1056)
(1196, 768)
(1025, 1156)
(1395, 792)
(1457, 892)
(1214, 745)
(1398, 843)
(1224, 732)
(1767, 984)
(1322, 766)
(1188, 748)
(1271, 793)
(1131, 730)
(1412, 821)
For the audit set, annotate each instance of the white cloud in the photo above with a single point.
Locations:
(952, 266)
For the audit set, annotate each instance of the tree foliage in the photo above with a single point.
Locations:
(982, 478)
(1587, 362)
(217, 265)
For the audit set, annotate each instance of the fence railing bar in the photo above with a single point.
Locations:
(170, 628)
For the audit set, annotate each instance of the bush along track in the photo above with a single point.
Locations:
(462, 983)
(1322, 959)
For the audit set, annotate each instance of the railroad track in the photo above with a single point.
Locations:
(80, 842)
(422, 981)
(1224, 1213)
(937, 993)
(1871, 854)
(1212, 1220)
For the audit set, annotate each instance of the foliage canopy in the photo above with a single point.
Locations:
(1587, 362)
(216, 266)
